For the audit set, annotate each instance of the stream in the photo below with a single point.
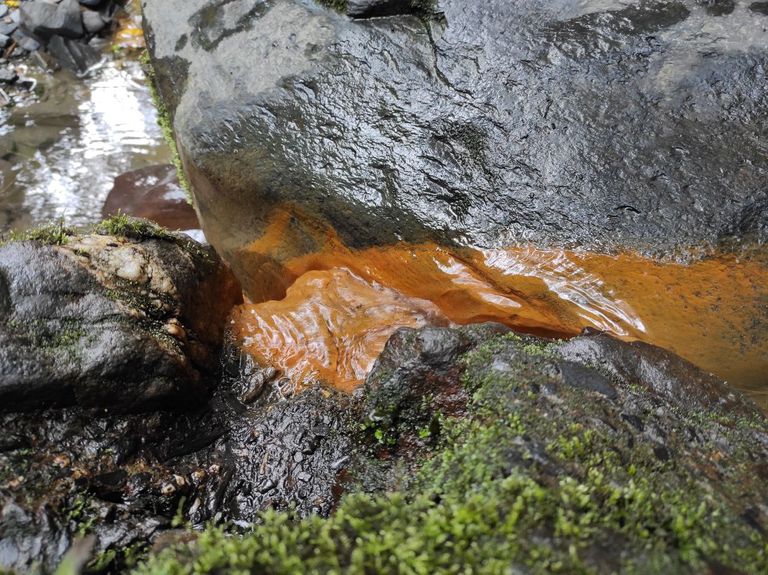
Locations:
(331, 313)
(60, 152)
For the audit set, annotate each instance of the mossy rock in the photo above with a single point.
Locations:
(555, 465)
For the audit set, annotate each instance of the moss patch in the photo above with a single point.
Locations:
(49, 234)
(516, 486)
(166, 126)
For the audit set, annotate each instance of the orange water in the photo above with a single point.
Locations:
(341, 305)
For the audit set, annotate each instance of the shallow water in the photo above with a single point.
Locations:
(60, 154)
(342, 305)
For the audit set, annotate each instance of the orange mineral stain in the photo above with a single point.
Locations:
(341, 305)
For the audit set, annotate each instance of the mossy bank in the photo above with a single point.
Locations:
(547, 462)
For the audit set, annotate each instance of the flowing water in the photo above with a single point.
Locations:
(327, 314)
(340, 305)
(60, 152)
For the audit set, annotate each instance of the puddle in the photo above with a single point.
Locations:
(341, 305)
(59, 156)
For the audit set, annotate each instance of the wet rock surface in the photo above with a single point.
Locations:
(111, 322)
(588, 410)
(489, 124)
(559, 412)
(131, 481)
(153, 193)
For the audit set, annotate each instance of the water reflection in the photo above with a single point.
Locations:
(59, 155)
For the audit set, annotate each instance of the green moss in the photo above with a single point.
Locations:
(166, 126)
(49, 234)
(79, 513)
(125, 226)
(510, 489)
(340, 5)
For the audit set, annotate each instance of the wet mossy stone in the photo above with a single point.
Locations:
(537, 473)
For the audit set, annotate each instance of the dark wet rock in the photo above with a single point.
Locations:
(289, 455)
(490, 124)
(759, 7)
(718, 7)
(93, 22)
(153, 193)
(446, 416)
(4, 40)
(584, 452)
(420, 363)
(73, 55)
(25, 41)
(556, 410)
(380, 8)
(124, 478)
(46, 20)
(111, 322)
(7, 27)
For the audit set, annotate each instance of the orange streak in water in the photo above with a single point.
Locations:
(342, 305)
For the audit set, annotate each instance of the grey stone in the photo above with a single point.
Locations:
(8, 28)
(72, 54)
(46, 20)
(109, 322)
(25, 41)
(489, 124)
(8, 75)
(93, 22)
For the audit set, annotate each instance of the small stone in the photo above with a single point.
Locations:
(3, 10)
(173, 328)
(47, 20)
(8, 76)
(61, 460)
(199, 475)
(168, 489)
(25, 41)
(93, 22)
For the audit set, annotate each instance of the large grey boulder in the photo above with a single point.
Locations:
(110, 322)
(602, 123)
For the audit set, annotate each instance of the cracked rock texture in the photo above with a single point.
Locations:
(603, 124)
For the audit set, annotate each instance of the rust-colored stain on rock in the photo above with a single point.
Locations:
(342, 305)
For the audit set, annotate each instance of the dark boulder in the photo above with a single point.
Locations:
(123, 478)
(482, 450)
(45, 20)
(73, 55)
(602, 124)
(110, 321)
